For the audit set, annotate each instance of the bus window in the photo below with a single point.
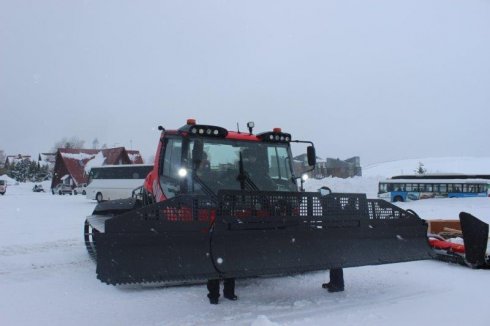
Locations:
(390, 187)
(382, 188)
(454, 187)
(428, 187)
(443, 188)
(436, 188)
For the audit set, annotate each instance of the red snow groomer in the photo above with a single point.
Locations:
(220, 203)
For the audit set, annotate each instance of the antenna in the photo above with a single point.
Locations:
(238, 127)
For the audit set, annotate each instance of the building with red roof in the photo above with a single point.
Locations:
(71, 164)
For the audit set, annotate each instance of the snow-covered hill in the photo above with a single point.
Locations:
(465, 165)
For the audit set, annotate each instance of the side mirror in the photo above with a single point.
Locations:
(197, 153)
(311, 153)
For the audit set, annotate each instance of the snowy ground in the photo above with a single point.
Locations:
(46, 278)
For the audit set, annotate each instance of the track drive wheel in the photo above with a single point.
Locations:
(88, 236)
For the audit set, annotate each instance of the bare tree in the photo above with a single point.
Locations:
(3, 157)
(95, 143)
(73, 142)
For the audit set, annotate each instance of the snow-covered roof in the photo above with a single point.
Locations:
(78, 156)
(66, 176)
(134, 157)
(97, 160)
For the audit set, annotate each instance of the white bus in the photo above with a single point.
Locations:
(111, 182)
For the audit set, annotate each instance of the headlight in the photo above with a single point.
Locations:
(182, 172)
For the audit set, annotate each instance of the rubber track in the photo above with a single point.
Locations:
(89, 244)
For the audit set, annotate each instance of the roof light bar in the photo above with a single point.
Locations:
(204, 131)
(276, 136)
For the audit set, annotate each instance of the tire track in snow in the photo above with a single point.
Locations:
(40, 247)
(299, 311)
(20, 260)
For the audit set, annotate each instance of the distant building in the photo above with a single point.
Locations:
(14, 159)
(330, 167)
(348, 168)
(71, 165)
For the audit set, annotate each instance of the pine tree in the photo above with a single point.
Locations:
(421, 169)
(20, 171)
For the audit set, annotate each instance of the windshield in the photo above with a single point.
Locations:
(264, 166)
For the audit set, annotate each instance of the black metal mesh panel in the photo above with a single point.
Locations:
(260, 204)
(180, 208)
(263, 204)
(381, 210)
(344, 204)
(312, 204)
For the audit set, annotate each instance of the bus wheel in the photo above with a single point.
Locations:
(98, 197)
(398, 198)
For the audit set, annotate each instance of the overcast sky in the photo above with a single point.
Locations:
(382, 79)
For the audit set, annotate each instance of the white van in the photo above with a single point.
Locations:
(111, 182)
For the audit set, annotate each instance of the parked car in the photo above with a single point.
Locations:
(62, 189)
(38, 188)
(3, 187)
(80, 189)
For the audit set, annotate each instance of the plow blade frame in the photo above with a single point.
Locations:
(157, 243)
(244, 234)
(338, 230)
(475, 237)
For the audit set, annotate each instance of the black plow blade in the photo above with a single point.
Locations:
(246, 234)
(291, 233)
(475, 237)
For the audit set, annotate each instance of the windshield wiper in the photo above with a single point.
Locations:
(244, 178)
(205, 187)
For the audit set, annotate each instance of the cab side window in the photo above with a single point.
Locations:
(170, 180)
